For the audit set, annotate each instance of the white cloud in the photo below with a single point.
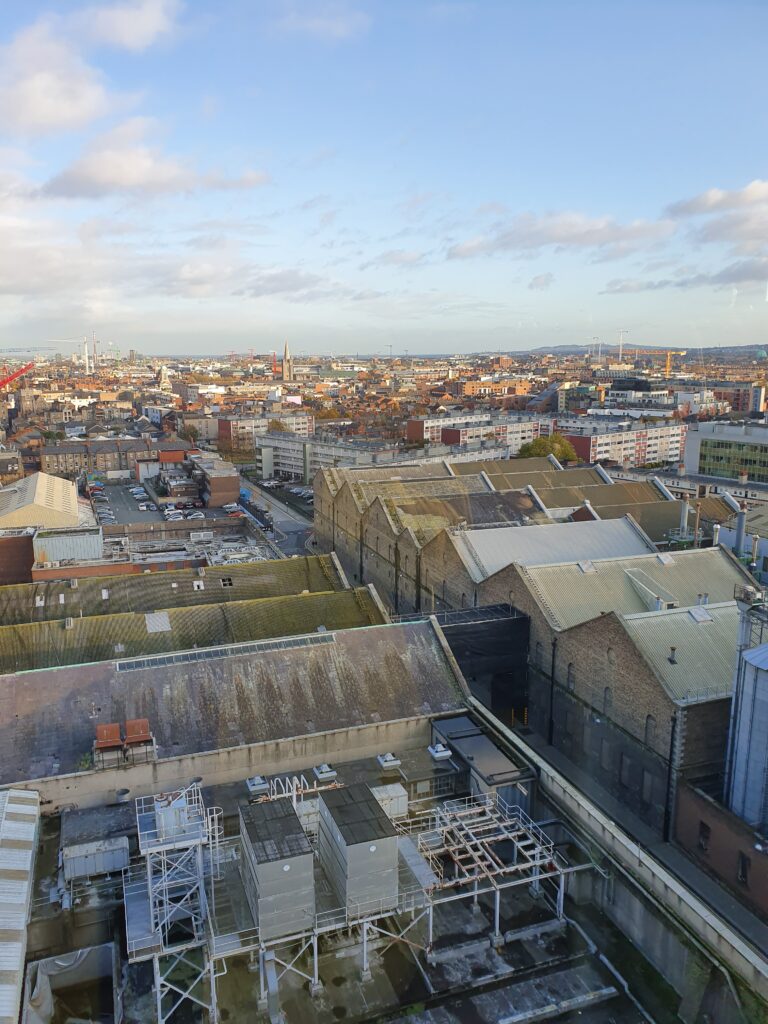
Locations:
(123, 162)
(394, 258)
(541, 282)
(132, 26)
(716, 199)
(749, 272)
(45, 86)
(528, 232)
(329, 21)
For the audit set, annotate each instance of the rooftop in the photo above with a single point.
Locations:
(38, 645)
(704, 639)
(39, 500)
(211, 700)
(110, 595)
(571, 592)
(487, 551)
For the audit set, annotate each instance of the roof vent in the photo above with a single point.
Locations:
(439, 752)
(388, 762)
(587, 566)
(257, 785)
(699, 614)
(665, 558)
(73, 583)
(324, 773)
(672, 659)
(201, 571)
(69, 622)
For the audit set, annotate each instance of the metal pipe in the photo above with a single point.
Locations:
(741, 529)
(668, 802)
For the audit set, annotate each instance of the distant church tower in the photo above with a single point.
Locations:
(287, 363)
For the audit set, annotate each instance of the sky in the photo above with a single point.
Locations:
(190, 176)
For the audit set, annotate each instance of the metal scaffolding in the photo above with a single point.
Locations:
(176, 832)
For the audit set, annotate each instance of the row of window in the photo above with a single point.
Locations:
(743, 862)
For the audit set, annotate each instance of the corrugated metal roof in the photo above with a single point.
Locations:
(599, 494)
(568, 596)
(492, 466)
(147, 592)
(38, 645)
(485, 552)
(19, 816)
(705, 650)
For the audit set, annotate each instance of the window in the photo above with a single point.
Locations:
(605, 755)
(538, 656)
(705, 833)
(742, 868)
(198, 585)
(607, 700)
(625, 771)
(650, 730)
(226, 581)
(611, 656)
(570, 679)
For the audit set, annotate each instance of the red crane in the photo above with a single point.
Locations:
(5, 381)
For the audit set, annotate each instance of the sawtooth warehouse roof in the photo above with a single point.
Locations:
(107, 595)
(574, 592)
(40, 500)
(488, 551)
(133, 634)
(209, 700)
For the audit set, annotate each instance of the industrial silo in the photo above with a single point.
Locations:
(747, 792)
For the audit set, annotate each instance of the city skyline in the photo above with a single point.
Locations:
(439, 176)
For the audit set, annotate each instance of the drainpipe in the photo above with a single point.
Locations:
(670, 769)
(551, 729)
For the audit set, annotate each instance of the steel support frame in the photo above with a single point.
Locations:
(164, 968)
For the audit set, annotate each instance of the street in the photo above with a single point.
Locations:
(294, 528)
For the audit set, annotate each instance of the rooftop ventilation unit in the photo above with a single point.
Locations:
(439, 752)
(587, 566)
(388, 762)
(324, 773)
(73, 583)
(69, 622)
(257, 785)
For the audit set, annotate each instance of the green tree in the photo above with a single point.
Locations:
(189, 433)
(554, 444)
(277, 425)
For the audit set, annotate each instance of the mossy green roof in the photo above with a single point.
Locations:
(133, 634)
(58, 599)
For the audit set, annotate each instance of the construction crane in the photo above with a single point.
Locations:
(11, 377)
(668, 363)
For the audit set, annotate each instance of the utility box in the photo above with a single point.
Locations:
(277, 868)
(87, 860)
(357, 844)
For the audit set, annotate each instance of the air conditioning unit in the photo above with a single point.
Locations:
(439, 752)
(388, 762)
(257, 785)
(324, 773)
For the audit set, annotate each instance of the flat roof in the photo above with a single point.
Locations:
(357, 813)
(273, 831)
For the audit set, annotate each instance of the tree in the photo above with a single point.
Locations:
(190, 433)
(278, 426)
(554, 444)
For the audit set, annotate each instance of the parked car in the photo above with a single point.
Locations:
(195, 515)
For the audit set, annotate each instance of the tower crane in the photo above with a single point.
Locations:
(668, 363)
(11, 377)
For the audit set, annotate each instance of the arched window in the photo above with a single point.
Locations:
(611, 655)
(463, 599)
(607, 700)
(650, 730)
(570, 679)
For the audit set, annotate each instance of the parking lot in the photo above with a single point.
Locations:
(125, 507)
